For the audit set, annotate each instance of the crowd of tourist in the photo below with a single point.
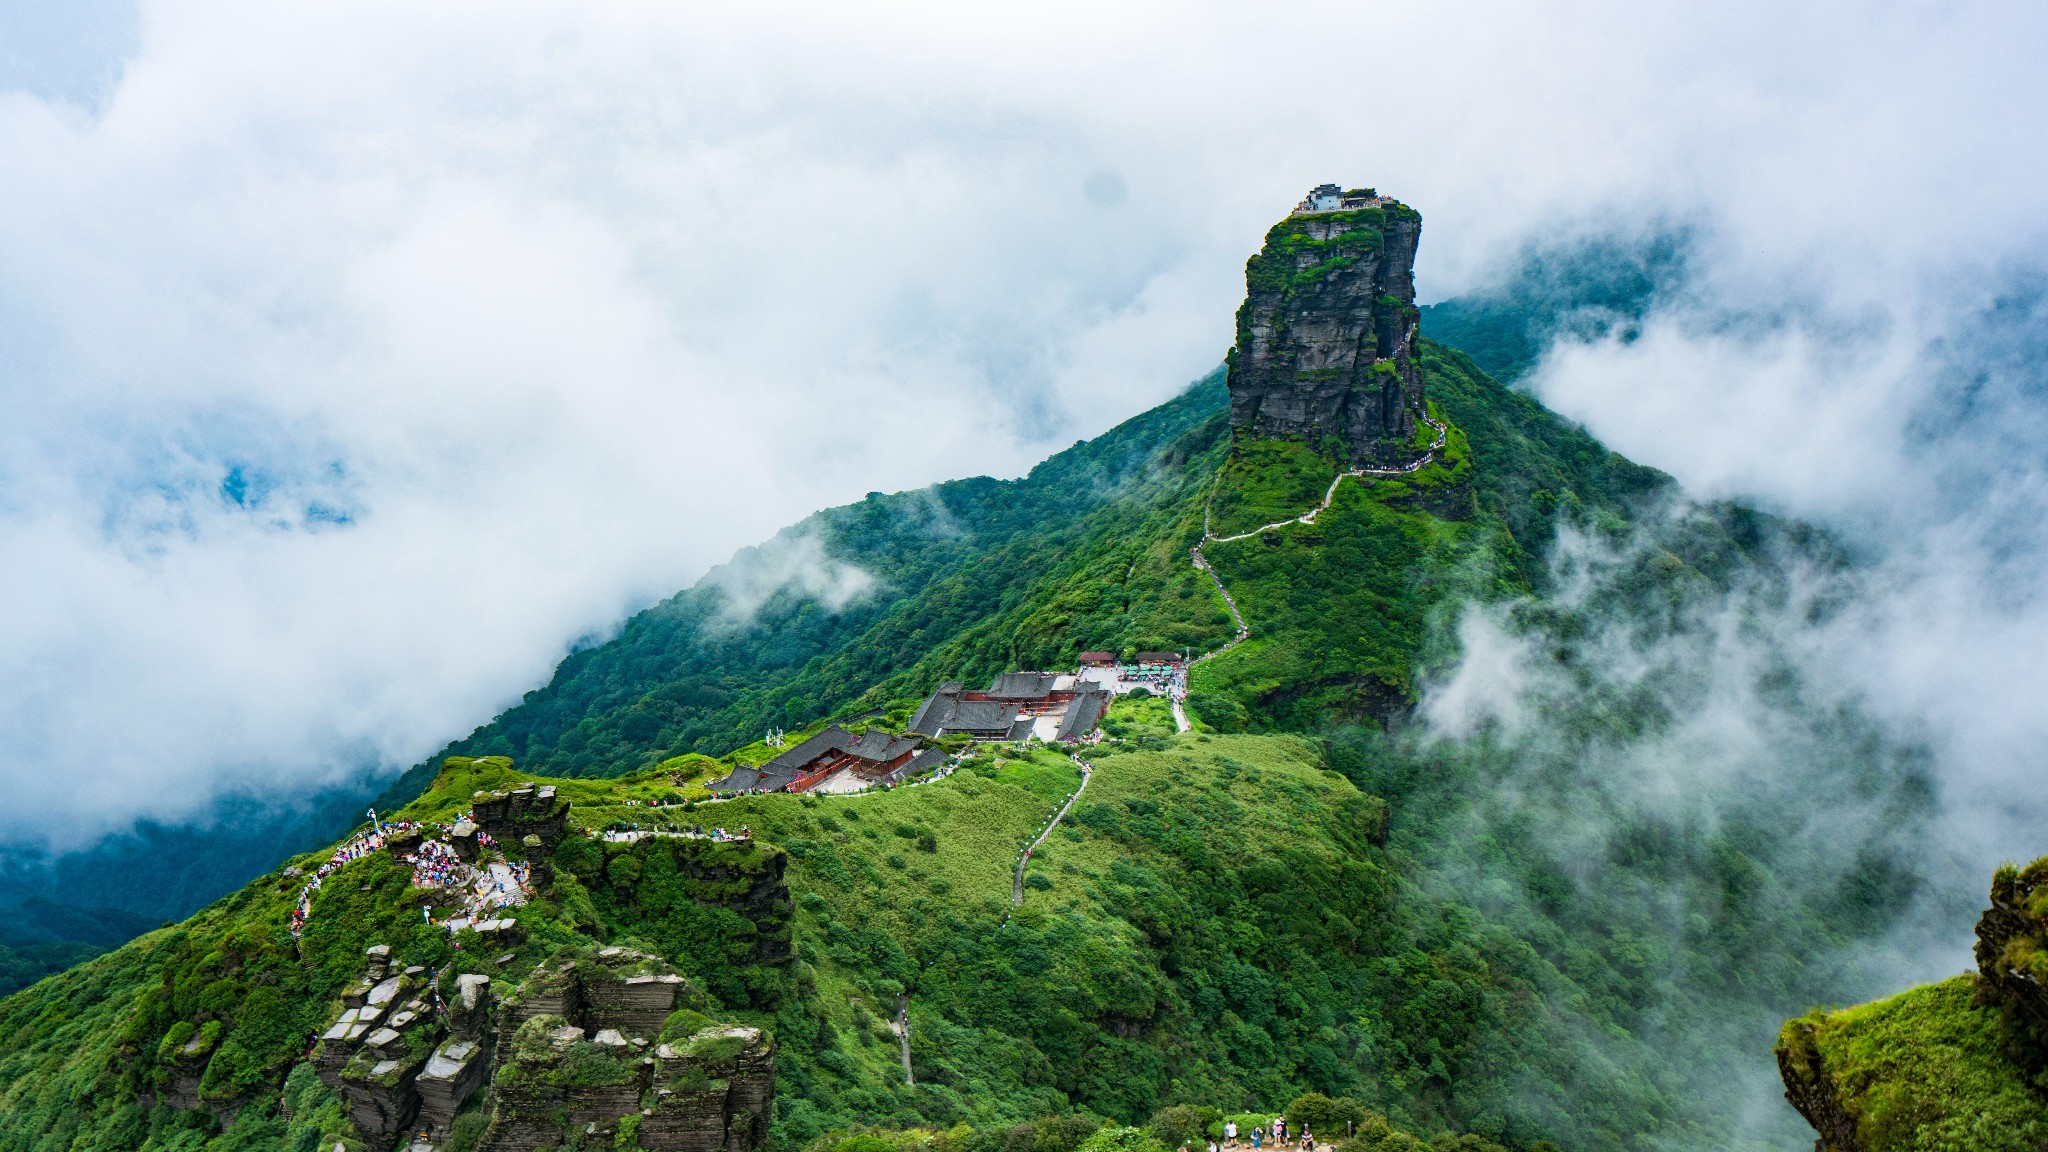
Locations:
(435, 865)
(626, 832)
(358, 846)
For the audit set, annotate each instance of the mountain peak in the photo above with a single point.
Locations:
(1327, 331)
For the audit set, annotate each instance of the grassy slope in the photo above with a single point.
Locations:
(1925, 1071)
(1266, 481)
(1205, 928)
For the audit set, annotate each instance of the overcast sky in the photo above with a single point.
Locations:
(358, 358)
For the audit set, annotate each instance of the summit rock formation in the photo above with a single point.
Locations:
(1326, 335)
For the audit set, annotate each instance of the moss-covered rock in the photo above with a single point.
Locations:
(1923, 1071)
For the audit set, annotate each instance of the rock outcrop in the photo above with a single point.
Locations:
(1810, 1089)
(1932, 1063)
(2012, 958)
(1326, 336)
(579, 1049)
(528, 810)
(373, 1053)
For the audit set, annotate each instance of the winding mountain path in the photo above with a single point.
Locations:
(1017, 881)
(903, 1034)
(1209, 536)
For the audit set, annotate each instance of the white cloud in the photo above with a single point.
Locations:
(498, 320)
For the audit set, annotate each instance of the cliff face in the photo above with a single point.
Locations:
(2012, 958)
(1326, 336)
(604, 1043)
(1953, 1065)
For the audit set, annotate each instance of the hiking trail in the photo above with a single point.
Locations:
(1244, 631)
(1017, 881)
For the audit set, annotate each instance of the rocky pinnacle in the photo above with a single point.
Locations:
(1326, 335)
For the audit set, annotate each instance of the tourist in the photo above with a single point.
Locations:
(1230, 1131)
(1257, 1134)
(1280, 1130)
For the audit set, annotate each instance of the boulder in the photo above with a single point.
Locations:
(636, 1004)
(712, 1092)
(528, 810)
(554, 1082)
(462, 838)
(469, 1010)
(379, 1094)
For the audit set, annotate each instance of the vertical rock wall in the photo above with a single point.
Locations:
(1326, 335)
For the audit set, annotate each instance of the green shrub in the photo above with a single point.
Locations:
(1122, 1139)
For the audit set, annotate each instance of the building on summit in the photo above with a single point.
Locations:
(1017, 706)
(836, 760)
(1330, 198)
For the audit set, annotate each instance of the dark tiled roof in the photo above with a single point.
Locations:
(1022, 685)
(919, 764)
(1021, 729)
(791, 763)
(1082, 715)
(882, 747)
(739, 779)
(935, 706)
(1158, 657)
(975, 717)
(1098, 657)
(875, 745)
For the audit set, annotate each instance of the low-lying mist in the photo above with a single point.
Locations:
(1646, 777)
(1730, 763)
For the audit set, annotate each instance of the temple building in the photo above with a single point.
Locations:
(1047, 706)
(836, 760)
